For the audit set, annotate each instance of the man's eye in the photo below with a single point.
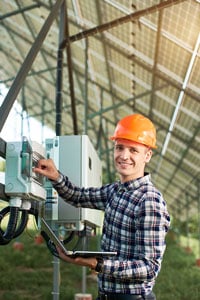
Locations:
(133, 151)
(118, 148)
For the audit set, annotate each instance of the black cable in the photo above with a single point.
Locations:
(12, 230)
(69, 238)
(50, 245)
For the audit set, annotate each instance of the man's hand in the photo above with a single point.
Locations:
(47, 168)
(85, 262)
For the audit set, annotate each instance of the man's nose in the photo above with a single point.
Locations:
(125, 154)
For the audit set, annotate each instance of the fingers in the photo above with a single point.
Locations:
(87, 262)
(47, 168)
(46, 164)
(64, 257)
(43, 163)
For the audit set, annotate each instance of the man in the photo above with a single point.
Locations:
(136, 218)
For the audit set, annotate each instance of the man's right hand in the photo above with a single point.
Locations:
(47, 168)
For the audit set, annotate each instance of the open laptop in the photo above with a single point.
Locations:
(47, 229)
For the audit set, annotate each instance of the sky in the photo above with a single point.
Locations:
(14, 129)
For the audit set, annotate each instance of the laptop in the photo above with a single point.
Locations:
(48, 230)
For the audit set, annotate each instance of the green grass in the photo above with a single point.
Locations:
(28, 274)
(179, 278)
(191, 243)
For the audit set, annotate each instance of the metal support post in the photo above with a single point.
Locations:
(26, 66)
(84, 268)
(56, 278)
(62, 34)
(187, 225)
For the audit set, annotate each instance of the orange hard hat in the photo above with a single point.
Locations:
(136, 128)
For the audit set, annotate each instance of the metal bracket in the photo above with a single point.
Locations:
(3, 196)
(2, 148)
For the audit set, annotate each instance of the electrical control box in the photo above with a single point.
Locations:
(20, 180)
(75, 157)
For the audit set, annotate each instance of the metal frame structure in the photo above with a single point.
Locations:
(79, 66)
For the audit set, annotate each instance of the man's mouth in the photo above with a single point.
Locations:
(125, 164)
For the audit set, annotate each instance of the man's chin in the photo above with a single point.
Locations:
(124, 173)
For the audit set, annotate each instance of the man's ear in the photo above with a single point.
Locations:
(148, 155)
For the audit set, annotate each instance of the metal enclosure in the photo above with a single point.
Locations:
(20, 180)
(75, 157)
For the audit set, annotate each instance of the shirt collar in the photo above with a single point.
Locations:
(136, 183)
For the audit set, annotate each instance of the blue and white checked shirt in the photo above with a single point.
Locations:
(135, 225)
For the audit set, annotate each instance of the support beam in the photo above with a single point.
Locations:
(133, 16)
(19, 11)
(70, 74)
(26, 66)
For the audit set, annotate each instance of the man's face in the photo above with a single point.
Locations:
(130, 159)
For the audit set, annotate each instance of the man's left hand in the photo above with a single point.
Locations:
(90, 262)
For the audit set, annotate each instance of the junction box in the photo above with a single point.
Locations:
(21, 183)
(75, 157)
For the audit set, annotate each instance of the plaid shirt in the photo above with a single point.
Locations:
(135, 225)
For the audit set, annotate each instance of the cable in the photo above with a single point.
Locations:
(50, 245)
(12, 230)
